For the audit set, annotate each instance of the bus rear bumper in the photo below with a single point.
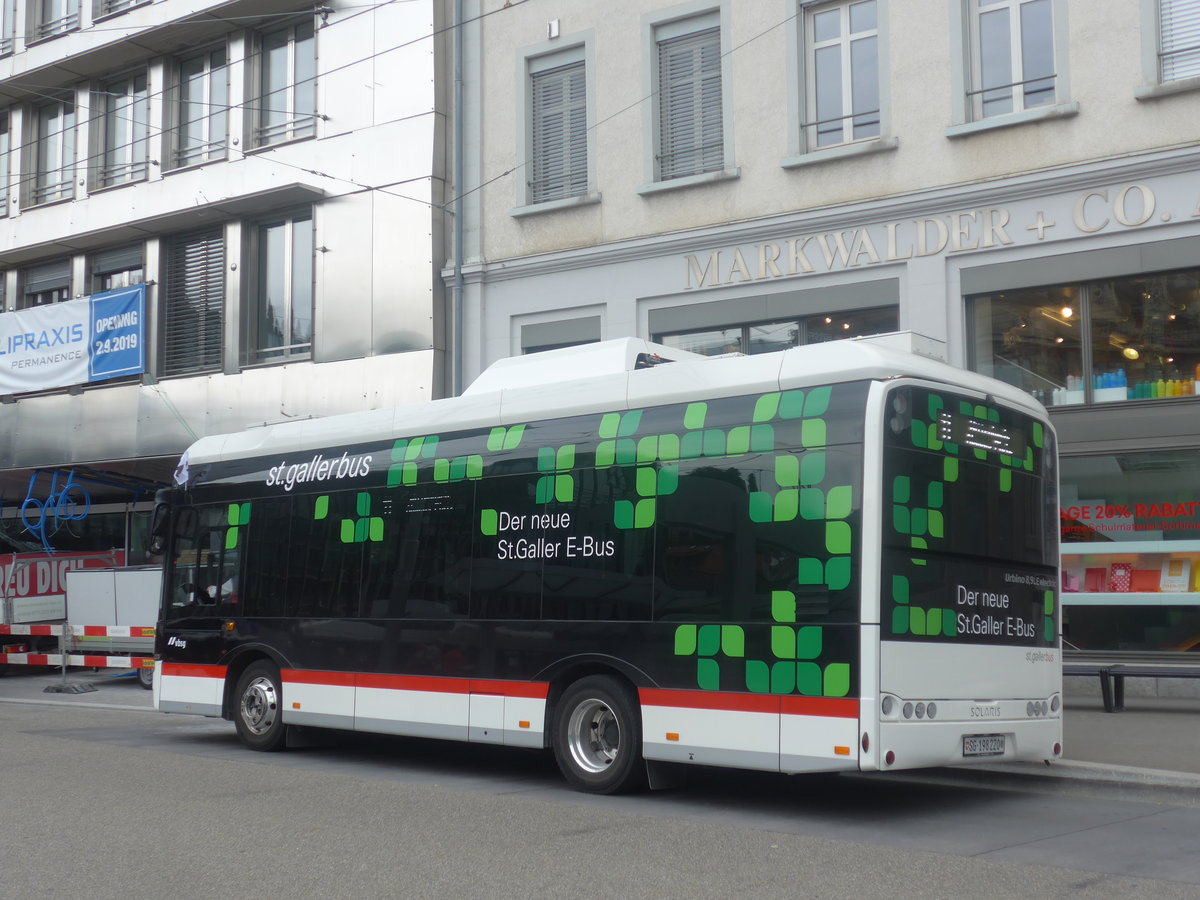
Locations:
(912, 745)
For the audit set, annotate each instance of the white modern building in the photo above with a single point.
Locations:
(263, 185)
(1018, 179)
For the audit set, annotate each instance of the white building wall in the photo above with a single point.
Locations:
(374, 176)
(627, 251)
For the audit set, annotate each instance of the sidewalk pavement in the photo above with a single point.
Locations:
(1151, 733)
(1154, 741)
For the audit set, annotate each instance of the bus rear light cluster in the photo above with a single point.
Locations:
(890, 706)
(1038, 708)
(920, 710)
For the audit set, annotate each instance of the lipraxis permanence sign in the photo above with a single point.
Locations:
(74, 342)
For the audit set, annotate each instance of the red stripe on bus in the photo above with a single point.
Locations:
(758, 703)
(834, 707)
(329, 679)
(534, 690)
(193, 670)
(428, 683)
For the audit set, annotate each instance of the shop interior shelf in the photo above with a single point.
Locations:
(1131, 598)
(1125, 548)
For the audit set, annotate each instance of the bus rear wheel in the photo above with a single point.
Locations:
(598, 736)
(258, 710)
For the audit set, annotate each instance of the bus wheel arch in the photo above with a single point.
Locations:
(237, 664)
(258, 706)
(596, 734)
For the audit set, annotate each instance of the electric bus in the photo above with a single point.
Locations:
(841, 557)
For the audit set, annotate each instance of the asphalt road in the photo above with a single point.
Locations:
(104, 798)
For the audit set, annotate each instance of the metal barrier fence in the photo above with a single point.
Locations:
(68, 638)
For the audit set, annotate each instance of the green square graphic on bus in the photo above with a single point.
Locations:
(969, 529)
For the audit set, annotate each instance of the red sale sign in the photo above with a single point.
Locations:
(34, 585)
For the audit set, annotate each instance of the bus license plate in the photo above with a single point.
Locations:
(983, 745)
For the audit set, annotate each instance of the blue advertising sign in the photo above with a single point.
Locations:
(116, 341)
(73, 342)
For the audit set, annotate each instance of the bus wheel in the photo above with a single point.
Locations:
(258, 713)
(598, 736)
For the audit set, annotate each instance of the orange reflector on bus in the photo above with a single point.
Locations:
(672, 735)
(295, 705)
(842, 751)
(523, 724)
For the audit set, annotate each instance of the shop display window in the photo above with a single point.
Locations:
(1032, 339)
(1131, 551)
(766, 337)
(1130, 338)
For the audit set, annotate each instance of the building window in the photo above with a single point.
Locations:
(767, 337)
(287, 97)
(1178, 39)
(554, 335)
(55, 17)
(281, 313)
(841, 59)
(1012, 56)
(1132, 338)
(54, 148)
(558, 127)
(8, 20)
(1131, 551)
(123, 112)
(112, 7)
(689, 103)
(192, 312)
(45, 283)
(120, 267)
(202, 108)
(5, 148)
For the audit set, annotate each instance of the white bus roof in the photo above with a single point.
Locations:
(605, 377)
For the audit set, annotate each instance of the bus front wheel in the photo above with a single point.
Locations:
(258, 713)
(598, 736)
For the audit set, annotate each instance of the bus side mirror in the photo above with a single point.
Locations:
(186, 523)
(158, 528)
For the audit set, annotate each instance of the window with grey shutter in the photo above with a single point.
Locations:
(193, 304)
(691, 133)
(1179, 39)
(118, 267)
(44, 283)
(559, 167)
